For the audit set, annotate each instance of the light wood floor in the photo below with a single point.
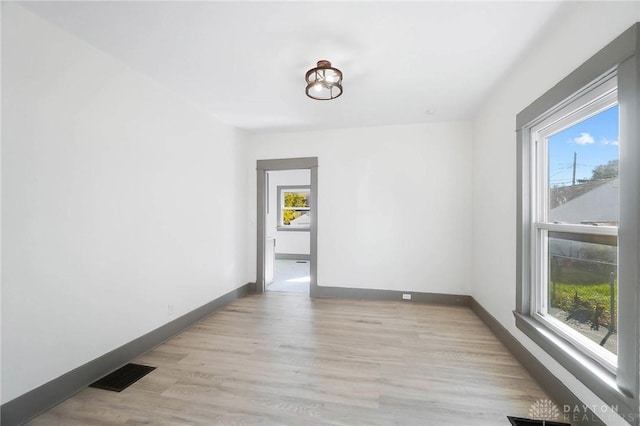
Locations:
(286, 359)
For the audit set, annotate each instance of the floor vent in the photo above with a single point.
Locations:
(123, 377)
(519, 421)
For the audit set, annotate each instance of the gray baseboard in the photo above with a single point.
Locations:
(557, 390)
(370, 294)
(293, 256)
(27, 406)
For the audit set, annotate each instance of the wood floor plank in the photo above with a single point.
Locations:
(287, 359)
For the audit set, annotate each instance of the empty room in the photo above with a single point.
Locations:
(320, 213)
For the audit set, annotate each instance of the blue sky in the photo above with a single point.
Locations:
(595, 140)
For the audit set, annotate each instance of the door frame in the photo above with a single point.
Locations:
(262, 167)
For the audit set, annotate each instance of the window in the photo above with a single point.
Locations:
(294, 208)
(574, 239)
(577, 292)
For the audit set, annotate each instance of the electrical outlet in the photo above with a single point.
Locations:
(406, 296)
(170, 310)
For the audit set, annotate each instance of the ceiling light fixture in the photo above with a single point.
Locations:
(324, 82)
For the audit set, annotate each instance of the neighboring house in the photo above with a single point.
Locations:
(599, 198)
(595, 203)
(305, 219)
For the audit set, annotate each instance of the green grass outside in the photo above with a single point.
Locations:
(583, 298)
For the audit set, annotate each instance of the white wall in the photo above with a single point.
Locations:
(117, 201)
(394, 204)
(585, 28)
(287, 242)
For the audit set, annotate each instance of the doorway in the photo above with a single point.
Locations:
(295, 221)
(287, 231)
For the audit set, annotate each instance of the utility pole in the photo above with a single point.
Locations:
(575, 156)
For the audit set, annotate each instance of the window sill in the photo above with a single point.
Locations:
(594, 376)
(287, 229)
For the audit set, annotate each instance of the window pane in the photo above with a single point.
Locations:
(582, 285)
(294, 205)
(583, 171)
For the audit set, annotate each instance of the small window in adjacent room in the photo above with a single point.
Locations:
(294, 208)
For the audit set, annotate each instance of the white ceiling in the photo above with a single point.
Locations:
(403, 62)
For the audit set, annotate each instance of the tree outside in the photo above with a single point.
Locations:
(292, 202)
(605, 171)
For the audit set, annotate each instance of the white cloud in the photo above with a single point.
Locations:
(608, 142)
(584, 139)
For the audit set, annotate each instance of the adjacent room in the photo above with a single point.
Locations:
(287, 237)
(309, 213)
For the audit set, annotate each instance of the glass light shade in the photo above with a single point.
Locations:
(324, 82)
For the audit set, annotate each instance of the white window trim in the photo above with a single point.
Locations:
(292, 188)
(595, 99)
(620, 389)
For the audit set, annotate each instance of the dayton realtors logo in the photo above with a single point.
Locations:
(593, 413)
(544, 409)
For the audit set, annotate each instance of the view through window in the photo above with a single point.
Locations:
(578, 222)
(294, 207)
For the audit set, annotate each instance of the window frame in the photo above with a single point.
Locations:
(292, 188)
(594, 101)
(619, 388)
